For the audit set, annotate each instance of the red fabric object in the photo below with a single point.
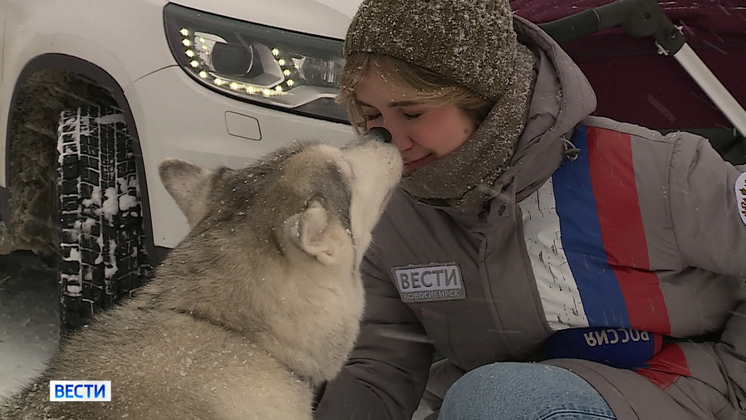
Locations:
(635, 84)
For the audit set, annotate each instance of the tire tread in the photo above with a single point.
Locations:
(102, 252)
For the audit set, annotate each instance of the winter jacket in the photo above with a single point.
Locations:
(623, 262)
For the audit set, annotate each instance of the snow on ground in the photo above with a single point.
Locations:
(29, 320)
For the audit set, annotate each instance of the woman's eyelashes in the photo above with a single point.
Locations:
(405, 115)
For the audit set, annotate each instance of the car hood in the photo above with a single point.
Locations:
(328, 18)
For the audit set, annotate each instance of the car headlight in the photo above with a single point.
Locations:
(274, 67)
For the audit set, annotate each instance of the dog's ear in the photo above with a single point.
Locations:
(189, 185)
(310, 231)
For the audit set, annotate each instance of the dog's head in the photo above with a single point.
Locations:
(306, 197)
(275, 248)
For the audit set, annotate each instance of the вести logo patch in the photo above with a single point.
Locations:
(79, 390)
(429, 283)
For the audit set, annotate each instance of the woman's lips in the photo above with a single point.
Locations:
(414, 165)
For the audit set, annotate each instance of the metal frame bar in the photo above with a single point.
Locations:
(642, 18)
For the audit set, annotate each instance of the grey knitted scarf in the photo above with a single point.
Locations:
(452, 180)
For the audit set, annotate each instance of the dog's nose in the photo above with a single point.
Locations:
(380, 134)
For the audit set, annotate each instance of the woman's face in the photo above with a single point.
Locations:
(422, 133)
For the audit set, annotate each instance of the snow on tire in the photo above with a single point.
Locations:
(101, 249)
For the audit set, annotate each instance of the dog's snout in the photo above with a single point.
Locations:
(380, 134)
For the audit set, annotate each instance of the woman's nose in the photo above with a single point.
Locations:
(401, 141)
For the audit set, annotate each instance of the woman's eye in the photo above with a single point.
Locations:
(371, 117)
(411, 116)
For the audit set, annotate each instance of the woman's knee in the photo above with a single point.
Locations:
(529, 391)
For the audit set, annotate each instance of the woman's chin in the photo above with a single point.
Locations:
(411, 167)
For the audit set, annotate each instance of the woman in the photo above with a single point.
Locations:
(526, 231)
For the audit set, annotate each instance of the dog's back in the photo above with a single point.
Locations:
(173, 366)
(258, 304)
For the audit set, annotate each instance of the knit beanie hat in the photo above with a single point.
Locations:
(473, 43)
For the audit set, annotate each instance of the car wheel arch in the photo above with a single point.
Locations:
(75, 66)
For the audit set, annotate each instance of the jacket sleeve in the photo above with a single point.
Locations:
(732, 352)
(387, 371)
(705, 211)
(711, 234)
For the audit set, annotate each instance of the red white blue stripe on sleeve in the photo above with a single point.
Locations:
(586, 242)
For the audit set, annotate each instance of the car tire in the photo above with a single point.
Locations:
(102, 255)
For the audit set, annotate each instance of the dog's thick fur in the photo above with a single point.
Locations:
(259, 303)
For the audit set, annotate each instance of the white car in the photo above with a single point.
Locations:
(96, 93)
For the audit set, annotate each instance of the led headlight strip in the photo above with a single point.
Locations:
(192, 42)
(269, 66)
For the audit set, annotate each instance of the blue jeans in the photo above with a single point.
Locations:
(523, 391)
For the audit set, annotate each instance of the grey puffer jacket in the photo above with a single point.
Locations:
(623, 263)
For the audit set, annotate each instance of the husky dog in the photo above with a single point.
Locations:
(257, 305)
